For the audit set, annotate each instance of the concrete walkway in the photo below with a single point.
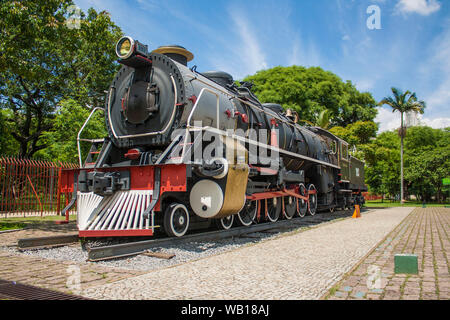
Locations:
(300, 265)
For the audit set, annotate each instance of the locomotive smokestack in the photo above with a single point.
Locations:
(177, 53)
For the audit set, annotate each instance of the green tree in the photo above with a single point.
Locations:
(358, 133)
(62, 142)
(322, 120)
(8, 146)
(382, 158)
(309, 91)
(427, 162)
(44, 61)
(403, 102)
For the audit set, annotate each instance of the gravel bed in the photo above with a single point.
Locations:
(183, 252)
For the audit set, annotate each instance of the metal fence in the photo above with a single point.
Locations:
(370, 197)
(31, 187)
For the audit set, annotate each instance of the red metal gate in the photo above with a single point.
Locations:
(31, 187)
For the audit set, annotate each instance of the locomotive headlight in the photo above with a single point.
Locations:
(125, 48)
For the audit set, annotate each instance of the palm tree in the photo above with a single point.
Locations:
(403, 102)
(323, 120)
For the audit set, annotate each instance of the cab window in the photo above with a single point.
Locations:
(333, 147)
(344, 151)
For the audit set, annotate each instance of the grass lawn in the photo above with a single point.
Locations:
(31, 220)
(11, 225)
(388, 204)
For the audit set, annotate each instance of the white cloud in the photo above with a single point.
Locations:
(439, 64)
(248, 46)
(303, 55)
(422, 7)
(389, 120)
(240, 52)
(364, 84)
(436, 123)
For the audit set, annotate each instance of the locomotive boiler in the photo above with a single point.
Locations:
(188, 150)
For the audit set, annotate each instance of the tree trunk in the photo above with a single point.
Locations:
(439, 194)
(401, 163)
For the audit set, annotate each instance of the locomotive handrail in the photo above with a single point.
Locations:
(241, 100)
(81, 130)
(259, 144)
(188, 122)
(276, 149)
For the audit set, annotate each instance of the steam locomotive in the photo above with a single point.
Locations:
(189, 150)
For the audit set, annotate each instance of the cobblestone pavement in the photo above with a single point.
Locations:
(52, 274)
(299, 265)
(424, 233)
(37, 229)
(57, 275)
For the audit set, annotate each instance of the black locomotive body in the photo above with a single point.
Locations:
(186, 149)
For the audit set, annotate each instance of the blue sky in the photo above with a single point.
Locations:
(410, 51)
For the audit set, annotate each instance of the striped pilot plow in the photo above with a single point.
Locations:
(120, 214)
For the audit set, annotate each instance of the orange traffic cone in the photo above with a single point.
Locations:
(357, 213)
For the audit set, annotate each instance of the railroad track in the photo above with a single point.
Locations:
(47, 242)
(139, 247)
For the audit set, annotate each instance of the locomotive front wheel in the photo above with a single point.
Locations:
(290, 207)
(248, 213)
(302, 204)
(312, 203)
(274, 207)
(225, 223)
(176, 220)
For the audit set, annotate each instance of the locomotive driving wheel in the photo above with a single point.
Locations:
(290, 207)
(225, 223)
(302, 203)
(274, 207)
(176, 220)
(312, 203)
(248, 213)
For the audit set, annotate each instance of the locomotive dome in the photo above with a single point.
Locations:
(274, 107)
(220, 77)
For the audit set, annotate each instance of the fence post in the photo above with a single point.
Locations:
(58, 197)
